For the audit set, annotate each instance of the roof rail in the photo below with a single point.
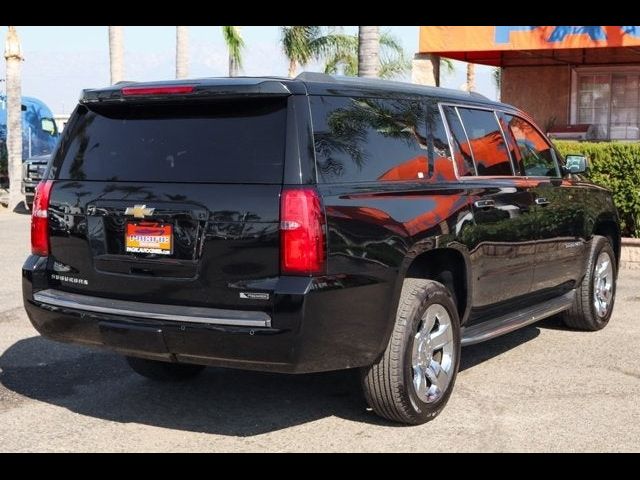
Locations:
(315, 77)
(380, 82)
(347, 79)
(479, 95)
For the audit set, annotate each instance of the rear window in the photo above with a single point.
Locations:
(217, 142)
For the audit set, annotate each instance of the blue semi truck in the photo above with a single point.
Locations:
(39, 132)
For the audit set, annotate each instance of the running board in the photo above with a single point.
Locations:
(515, 320)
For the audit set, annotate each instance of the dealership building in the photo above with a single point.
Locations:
(576, 81)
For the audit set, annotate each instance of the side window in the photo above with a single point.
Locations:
(461, 148)
(487, 143)
(369, 139)
(536, 155)
(441, 159)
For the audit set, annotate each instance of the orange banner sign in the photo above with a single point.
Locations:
(505, 38)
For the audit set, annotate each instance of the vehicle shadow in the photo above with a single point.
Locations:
(22, 209)
(473, 355)
(221, 401)
(553, 323)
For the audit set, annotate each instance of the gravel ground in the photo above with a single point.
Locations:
(542, 388)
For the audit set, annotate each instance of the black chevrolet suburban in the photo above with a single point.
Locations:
(312, 224)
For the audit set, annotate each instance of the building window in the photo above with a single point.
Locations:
(610, 101)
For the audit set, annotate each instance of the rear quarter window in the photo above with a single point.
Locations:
(369, 139)
(214, 142)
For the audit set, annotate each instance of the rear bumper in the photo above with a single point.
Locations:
(313, 326)
(51, 298)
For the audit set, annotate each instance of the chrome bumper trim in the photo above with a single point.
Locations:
(156, 311)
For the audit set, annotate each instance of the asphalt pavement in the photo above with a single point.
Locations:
(542, 388)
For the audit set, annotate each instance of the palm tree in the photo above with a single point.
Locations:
(298, 45)
(235, 44)
(13, 56)
(448, 65)
(344, 57)
(368, 51)
(497, 80)
(338, 51)
(182, 52)
(116, 53)
(471, 77)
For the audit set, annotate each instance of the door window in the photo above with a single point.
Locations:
(534, 153)
(487, 144)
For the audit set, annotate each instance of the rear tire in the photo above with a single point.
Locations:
(595, 296)
(164, 371)
(413, 380)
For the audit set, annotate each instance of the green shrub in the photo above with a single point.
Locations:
(616, 166)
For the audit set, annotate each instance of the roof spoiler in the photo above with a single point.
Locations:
(185, 90)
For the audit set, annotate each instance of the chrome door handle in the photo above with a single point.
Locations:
(542, 201)
(484, 204)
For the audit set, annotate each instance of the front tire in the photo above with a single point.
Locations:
(593, 304)
(164, 371)
(413, 380)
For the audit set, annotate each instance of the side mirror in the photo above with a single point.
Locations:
(576, 163)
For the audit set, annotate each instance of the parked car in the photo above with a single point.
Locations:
(39, 133)
(312, 224)
(33, 169)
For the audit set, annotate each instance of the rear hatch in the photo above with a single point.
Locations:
(170, 202)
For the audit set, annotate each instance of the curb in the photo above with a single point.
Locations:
(630, 254)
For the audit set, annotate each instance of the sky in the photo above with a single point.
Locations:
(60, 61)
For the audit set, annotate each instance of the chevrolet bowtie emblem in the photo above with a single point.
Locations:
(139, 211)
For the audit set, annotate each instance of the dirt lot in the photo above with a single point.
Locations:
(543, 388)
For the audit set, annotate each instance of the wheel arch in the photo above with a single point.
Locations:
(421, 262)
(426, 260)
(609, 227)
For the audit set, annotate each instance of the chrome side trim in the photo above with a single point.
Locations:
(513, 321)
(211, 316)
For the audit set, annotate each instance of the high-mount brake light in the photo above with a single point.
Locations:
(168, 90)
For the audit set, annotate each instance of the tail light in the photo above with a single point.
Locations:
(302, 235)
(40, 219)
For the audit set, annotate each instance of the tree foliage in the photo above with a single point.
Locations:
(338, 51)
(615, 165)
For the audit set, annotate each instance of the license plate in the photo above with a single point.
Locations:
(149, 237)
